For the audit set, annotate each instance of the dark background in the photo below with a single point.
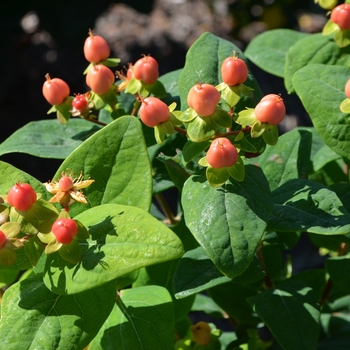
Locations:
(132, 28)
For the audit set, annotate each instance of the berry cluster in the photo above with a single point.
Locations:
(26, 217)
(210, 112)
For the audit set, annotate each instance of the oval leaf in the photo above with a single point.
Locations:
(33, 317)
(116, 158)
(268, 50)
(323, 80)
(48, 138)
(123, 239)
(228, 222)
(143, 319)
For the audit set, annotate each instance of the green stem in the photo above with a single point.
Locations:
(166, 209)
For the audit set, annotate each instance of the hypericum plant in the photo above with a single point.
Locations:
(111, 264)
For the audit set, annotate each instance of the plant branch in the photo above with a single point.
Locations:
(267, 279)
(181, 131)
(166, 209)
(95, 121)
(236, 132)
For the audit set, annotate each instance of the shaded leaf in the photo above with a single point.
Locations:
(116, 158)
(123, 239)
(291, 306)
(142, 319)
(30, 312)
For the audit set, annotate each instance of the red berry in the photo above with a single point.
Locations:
(146, 69)
(341, 16)
(65, 183)
(203, 98)
(64, 230)
(347, 89)
(3, 239)
(79, 102)
(222, 153)
(234, 71)
(96, 49)
(55, 90)
(270, 109)
(100, 78)
(153, 111)
(21, 196)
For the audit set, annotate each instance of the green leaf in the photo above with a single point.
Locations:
(63, 110)
(176, 172)
(116, 157)
(230, 94)
(320, 49)
(169, 81)
(222, 118)
(270, 134)
(304, 205)
(336, 328)
(292, 314)
(274, 264)
(111, 62)
(201, 128)
(246, 117)
(10, 175)
(156, 89)
(30, 312)
(231, 297)
(203, 64)
(338, 269)
(193, 149)
(123, 239)
(217, 176)
(321, 154)
(268, 50)
(284, 240)
(228, 222)
(48, 138)
(289, 159)
(142, 320)
(342, 37)
(205, 303)
(41, 215)
(196, 273)
(314, 278)
(345, 106)
(327, 84)
(237, 171)
(7, 277)
(33, 249)
(329, 28)
(162, 275)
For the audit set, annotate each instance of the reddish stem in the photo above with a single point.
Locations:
(95, 121)
(181, 131)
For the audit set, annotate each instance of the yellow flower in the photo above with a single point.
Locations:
(67, 189)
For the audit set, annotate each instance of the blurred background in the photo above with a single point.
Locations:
(39, 37)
